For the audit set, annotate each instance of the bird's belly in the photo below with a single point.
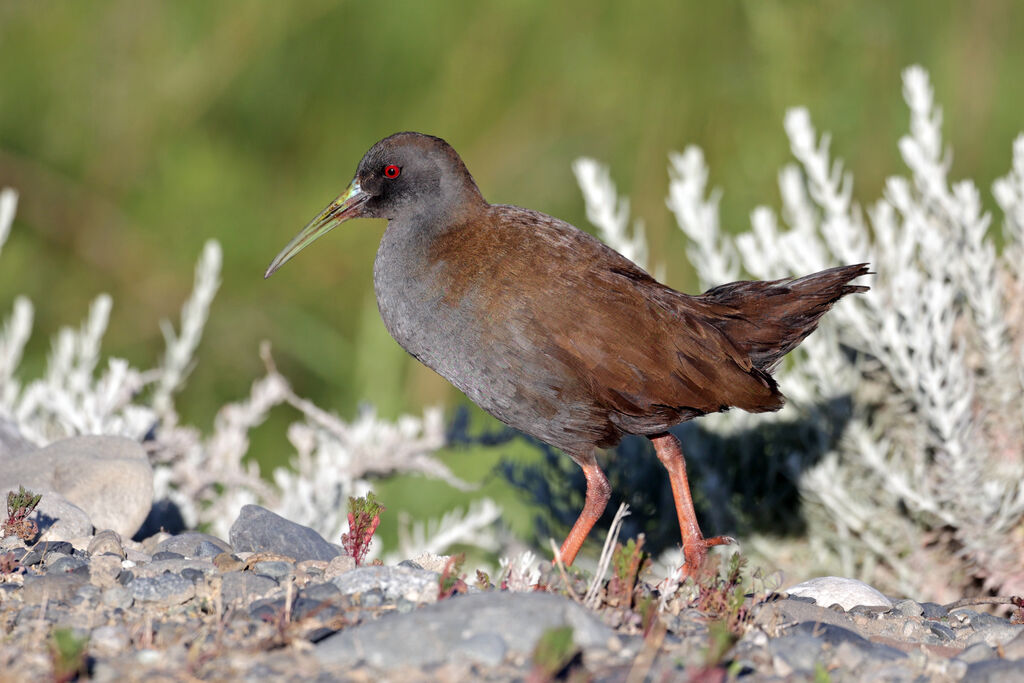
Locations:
(493, 363)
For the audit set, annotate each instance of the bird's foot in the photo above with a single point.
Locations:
(697, 552)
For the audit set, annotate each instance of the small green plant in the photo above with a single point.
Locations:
(627, 562)
(452, 581)
(363, 518)
(721, 595)
(483, 581)
(555, 652)
(19, 506)
(67, 653)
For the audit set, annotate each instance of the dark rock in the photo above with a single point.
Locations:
(193, 575)
(167, 555)
(41, 550)
(321, 591)
(943, 632)
(799, 652)
(427, 635)
(276, 570)
(932, 610)
(836, 635)
(260, 530)
(125, 577)
(66, 564)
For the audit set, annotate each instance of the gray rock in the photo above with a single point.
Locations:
(996, 634)
(58, 518)
(909, 608)
(260, 530)
(837, 590)
(167, 555)
(941, 631)
(798, 652)
(194, 544)
(42, 551)
(166, 589)
(932, 610)
(427, 635)
(836, 635)
(245, 587)
(485, 648)
(415, 585)
(65, 564)
(116, 596)
(276, 570)
(979, 652)
(1014, 649)
(108, 641)
(995, 671)
(769, 615)
(50, 588)
(12, 443)
(106, 541)
(108, 477)
(321, 591)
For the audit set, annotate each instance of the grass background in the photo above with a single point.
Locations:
(136, 130)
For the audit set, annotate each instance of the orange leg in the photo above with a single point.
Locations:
(695, 546)
(598, 492)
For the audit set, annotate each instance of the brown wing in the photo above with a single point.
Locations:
(614, 338)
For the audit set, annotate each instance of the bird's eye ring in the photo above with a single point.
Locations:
(391, 171)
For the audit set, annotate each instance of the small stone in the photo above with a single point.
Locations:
(795, 653)
(321, 591)
(193, 575)
(978, 652)
(941, 631)
(226, 562)
(106, 541)
(848, 593)
(245, 587)
(1014, 649)
(276, 570)
(167, 555)
(393, 582)
(339, 565)
(45, 549)
(51, 588)
(432, 562)
(931, 610)
(996, 634)
(909, 608)
(108, 641)
(313, 568)
(167, 589)
(995, 671)
(194, 544)
(372, 598)
(64, 563)
(116, 596)
(258, 529)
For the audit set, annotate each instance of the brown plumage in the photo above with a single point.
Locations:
(558, 335)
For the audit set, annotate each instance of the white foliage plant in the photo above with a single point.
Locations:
(208, 476)
(923, 492)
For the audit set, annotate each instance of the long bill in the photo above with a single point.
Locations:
(346, 206)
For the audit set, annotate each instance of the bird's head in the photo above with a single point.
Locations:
(406, 175)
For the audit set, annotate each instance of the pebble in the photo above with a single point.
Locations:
(193, 605)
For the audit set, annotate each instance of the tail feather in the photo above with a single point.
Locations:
(768, 319)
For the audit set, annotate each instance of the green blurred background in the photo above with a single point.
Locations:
(137, 130)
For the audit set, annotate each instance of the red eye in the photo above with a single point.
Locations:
(391, 171)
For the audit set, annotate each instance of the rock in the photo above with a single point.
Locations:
(339, 565)
(416, 585)
(194, 544)
(116, 596)
(43, 550)
(260, 530)
(798, 652)
(429, 634)
(995, 671)
(979, 652)
(1014, 649)
(487, 649)
(276, 570)
(941, 631)
(104, 570)
(244, 587)
(108, 641)
(909, 608)
(431, 562)
(58, 518)
(12, 443)
(56, 588)
(836, 590)
(788, 611)
(108, 477)
(996, 634)
(166, 589)
(932, 610)
(107, 541)
(837, 635)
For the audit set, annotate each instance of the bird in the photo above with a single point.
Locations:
(556, 334)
